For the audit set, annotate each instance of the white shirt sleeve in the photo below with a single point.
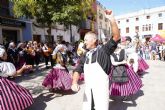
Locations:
(7, 69)
(115, 63)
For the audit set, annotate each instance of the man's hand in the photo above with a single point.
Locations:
(109, 14)
(114, 27)
(75, 87)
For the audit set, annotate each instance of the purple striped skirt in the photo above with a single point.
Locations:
(58, 79)
(142, 65)
(130, 87)
(13, 96)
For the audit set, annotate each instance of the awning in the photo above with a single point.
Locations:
(162, 33)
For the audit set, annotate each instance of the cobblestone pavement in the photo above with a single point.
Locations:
(150, 97)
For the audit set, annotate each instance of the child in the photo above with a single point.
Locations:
(58, 78)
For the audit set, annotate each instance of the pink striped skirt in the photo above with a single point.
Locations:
(13, 96)
(58, 79)
(130, 87)
(142, 65)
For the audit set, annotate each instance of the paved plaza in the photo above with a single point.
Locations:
(150, 97)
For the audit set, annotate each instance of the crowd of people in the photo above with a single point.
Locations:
(151, 50)
(111, 68)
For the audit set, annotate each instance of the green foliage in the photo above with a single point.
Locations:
(24, 8)
(48, 12)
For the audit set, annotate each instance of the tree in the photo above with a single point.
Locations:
(48, 12)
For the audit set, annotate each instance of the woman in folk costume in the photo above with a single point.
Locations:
(142, 65)
(95, 65)
(132, 56)
(123, 80)
(58, 78)
(12, 96)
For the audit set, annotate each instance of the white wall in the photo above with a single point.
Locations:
(154, 20)
(57, 32)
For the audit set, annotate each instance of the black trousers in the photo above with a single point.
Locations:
(93, 104)
(47, 59)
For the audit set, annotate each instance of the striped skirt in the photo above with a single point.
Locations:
(142, 65)
(13, 96)
(58, 79)
(130, 87)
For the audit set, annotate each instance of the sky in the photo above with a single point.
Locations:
(120, 7)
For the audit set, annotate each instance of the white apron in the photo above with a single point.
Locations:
(97, 81)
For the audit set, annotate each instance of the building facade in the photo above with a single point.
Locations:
(58, 33)
(144, 23)
(12, 29)
(103, 23)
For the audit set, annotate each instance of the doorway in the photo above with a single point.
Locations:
(8, 36)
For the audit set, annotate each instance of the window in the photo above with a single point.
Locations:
(106, 27)
(4, 7)
(149, 27)
(127, 30)
(147, 17)
(160, 26)
(146, 28)
(127, 20)
(101, 25)
(136, 28)
(160, 14)
(106, 19)
(137, 19)
(101, 16)
(143, 28)
(59, 38)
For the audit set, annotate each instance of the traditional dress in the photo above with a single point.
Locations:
(12, 96)
(143, 66)
(95, 65)
(132, 55)
(124, 81)
(58, 78)
(139, 65)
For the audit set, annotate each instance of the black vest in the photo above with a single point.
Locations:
(119, 73)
